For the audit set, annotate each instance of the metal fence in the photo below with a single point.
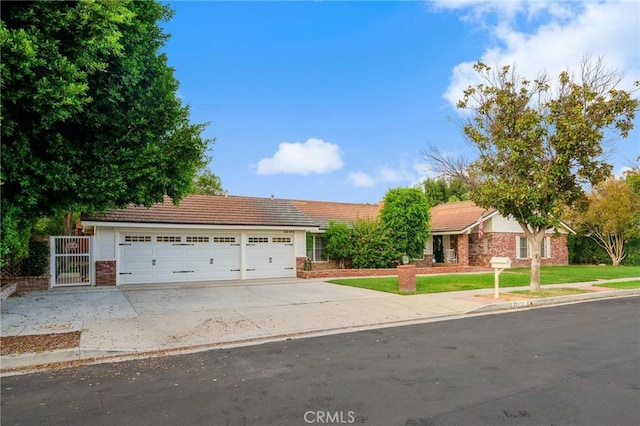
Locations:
(71, 261)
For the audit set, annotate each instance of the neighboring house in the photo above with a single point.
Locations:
(206, 238)
(324, 212)
(463, 233)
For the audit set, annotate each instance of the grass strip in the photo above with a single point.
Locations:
(625, 285)
(517, 277)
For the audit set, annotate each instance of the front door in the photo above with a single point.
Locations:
(438, 249)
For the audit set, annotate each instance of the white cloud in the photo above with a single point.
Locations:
(361, 179)
(621, 171)
(384, 175)
(312, 156)
(557, 37)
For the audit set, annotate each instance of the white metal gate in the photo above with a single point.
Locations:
(71, 261)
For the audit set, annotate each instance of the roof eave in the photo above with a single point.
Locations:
(133, 224)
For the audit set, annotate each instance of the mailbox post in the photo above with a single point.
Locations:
(499, 264)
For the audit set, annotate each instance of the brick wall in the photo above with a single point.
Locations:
(407, 278)
(29, 283)
(463, 249)
(504, 245)
(559, 251)
(480, 249)
(300, 263)
(425, 262)
(105, 272)
(330, 264)
(351, 273)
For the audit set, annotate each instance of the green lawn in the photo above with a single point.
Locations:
(626, 285)
(509, 278)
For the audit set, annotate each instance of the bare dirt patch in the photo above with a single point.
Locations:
(508, 297)
(526, 294)
(13, 345)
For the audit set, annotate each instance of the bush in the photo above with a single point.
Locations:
(632, 249)
(372, 246)
(338, 242)
(37, 262)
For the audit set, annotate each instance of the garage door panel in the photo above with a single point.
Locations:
(226, 260)
(270, 257)
(172, 255)
(136, 263)
(198, 259)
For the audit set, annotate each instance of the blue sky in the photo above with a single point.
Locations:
(336, 101)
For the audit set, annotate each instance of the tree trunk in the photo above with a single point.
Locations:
(535, 237)
(534, 284)
(613, 243)
(67, 224)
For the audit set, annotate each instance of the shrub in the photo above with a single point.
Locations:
(406, 216)
(37, 262)
(372, 246)
(338, 242)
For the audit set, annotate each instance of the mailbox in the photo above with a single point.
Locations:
(500, 262)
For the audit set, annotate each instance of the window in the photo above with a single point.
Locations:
(224, 239)
(168, 239)
(281, 240)
(315, 250)
(137, 238)
(523, 248)
(258, 239)
(191, 239)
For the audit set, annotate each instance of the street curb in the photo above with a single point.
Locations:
(530, 303)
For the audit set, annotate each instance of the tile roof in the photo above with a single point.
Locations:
(235, 210)
(456, 216)
(212, 210)
(324, 211)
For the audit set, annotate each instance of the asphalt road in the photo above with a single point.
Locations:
(566, 365)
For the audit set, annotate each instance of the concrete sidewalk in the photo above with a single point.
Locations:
(132, 321)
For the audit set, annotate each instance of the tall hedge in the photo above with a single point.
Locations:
(585, 251)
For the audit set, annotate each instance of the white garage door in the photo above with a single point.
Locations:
(270, 256)
(155, 258)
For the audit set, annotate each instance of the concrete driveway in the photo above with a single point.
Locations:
(147, 318)
(67, 309)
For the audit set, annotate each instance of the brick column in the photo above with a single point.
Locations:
(463, 250)
(407, 278)
(105, 272)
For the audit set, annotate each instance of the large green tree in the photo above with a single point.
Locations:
(90, 114)
(610, 217)
(632, 177)
(406, 215)
(444, 190)
(205, 182)
(538, 144)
